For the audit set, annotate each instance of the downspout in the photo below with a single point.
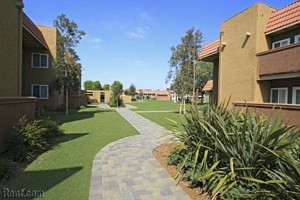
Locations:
(20, 6)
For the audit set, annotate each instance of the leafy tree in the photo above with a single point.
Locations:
(203, 74)
(106, 87)
(67, 66)
(117, 90)
(182, 73)
(127, 92)
(97, 85)
(92, 85)
(88, 85)
(132, 90)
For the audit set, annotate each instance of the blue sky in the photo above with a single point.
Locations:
(130, 40)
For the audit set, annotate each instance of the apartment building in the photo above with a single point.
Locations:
(39, 47)
(256, 59)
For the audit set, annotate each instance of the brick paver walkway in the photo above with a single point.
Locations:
(126, 169)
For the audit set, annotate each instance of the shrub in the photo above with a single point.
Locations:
(29, 137)
(113, 102)
(29, 134)
(5, 166)
(133, 99)
(41, 112)
(50, 129)
(232, 154)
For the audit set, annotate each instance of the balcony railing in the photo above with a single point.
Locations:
(280, 60)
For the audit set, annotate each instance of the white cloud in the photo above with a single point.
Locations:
(131, 62)
(145, 16)
(96, 40)
(139, 32)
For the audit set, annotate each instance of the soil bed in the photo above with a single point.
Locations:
(161, 153)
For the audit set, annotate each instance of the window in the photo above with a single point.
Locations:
(281, 43)
(40, 91)
(297, 38)
(279, 95)
(40, 60)
(296, 95)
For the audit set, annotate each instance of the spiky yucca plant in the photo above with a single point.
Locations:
(239, 154)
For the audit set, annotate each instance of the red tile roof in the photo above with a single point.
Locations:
(33, 30)
(209, 49)
(285, 16)
(208, 86)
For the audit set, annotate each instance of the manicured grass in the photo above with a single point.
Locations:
(169, 120)
(64, 171)
(154, 105)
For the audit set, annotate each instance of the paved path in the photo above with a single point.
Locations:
(126, 169)
(104, 105)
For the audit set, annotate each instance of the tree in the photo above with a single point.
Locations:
(97, 85)
(203, 74)
(106, 87)
(67, 66)
(92, 85)
(117, 90)
(132, 90)
(127, 92)
(88, 85)
(182, 72)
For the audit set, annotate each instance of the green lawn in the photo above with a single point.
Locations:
(64, 172)
(154, 105)
(169, 120)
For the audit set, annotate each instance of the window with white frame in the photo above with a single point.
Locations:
(296, 95)
(40, 60)
(279, 95)
(281, 43)
(297, 38)
(40, 91)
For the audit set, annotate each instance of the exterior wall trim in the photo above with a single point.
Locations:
(279, 49)
(17, 100)
(268, 105)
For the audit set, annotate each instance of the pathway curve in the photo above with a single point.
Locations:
(126, 169)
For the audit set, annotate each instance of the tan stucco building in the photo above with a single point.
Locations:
(11, 47)
(256, 59)
(38, 74)
(103, 96)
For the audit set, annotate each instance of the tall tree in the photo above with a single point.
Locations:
(117, 90)
(182, 72)
(132, 90)
(67, 63)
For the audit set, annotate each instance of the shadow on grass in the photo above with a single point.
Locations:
(35, 183)
(69, 136)
(79, 115)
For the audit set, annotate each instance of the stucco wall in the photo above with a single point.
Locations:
(42, 76)
(238, 62)
(126, 99)
(77, 100)
(289, 113)
(96, 95)
(280, 60)
(11, 110)
(11, 44)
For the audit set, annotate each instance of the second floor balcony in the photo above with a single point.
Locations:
(279, 61)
